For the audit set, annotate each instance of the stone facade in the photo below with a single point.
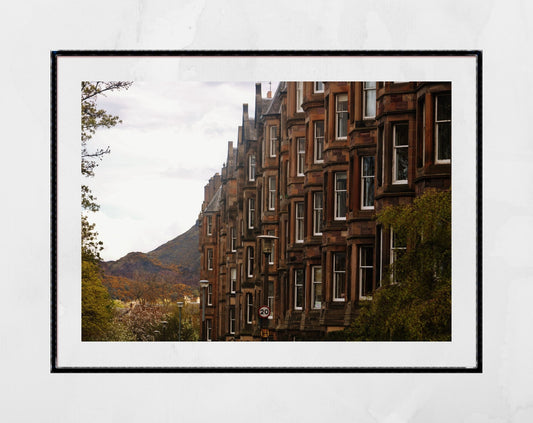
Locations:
(312, 168)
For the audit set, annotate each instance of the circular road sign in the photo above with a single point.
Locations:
(264, 312)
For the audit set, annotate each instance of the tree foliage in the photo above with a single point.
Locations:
(97, 306)
(418, 308)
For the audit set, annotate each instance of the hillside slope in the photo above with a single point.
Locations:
(173, 263)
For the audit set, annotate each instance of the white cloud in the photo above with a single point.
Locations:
(173, 138)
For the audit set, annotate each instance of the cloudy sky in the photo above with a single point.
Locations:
(173, 138)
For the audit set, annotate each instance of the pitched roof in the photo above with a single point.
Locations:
(214, 204)
(275, 104)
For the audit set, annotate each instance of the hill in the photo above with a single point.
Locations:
(172, 268)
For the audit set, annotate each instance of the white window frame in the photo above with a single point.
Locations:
(341, 98)
(300, 156)
(319, 150)
(270, 298)
(251, 213)
(363, 269)
(366, 91)
(271, 193)
(299, 222)
(338, 194)
(232, 280)
(250, 257)
(441, 122)
(210, 294)
(271, 254)
(297, 287)
(209, 259)
(394, 251)
(249, 308)
(209, 225)
(231, 320)
(208, 329)
(299, 96)
(336, 275)
(251, 168)
(364, 179)
(395, 151)
(273, 138)
(233, 239)
(318, 212)
(316, 87)
(314, 283)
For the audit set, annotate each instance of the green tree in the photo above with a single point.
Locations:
(418, 308)
(97, 306)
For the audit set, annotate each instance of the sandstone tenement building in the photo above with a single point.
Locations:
(312, 168)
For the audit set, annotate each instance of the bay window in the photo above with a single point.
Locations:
(367, 183)
(339, 276)
(298, 289)
(340, 195)
(341, 116)
(319, 141)
(443, 128)
(318, 210)
(316, 293)
(369, 100)
(299, 222)
(366, 269)
(400, 159)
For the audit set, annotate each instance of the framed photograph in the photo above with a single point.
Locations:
(266, 211)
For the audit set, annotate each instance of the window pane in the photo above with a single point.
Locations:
(368, 166)
(370, 103)
(401, 164)
(444, 107)
(368, 194)
(444, 134)
(401, 135)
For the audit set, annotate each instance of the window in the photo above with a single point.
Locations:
(233, 239)
(270, 299)
(249, 308)
(400, 158)
(270, 256)
(300, 165)
(397, 249)
(232, 320)
(209, 225)
(316, 294)
(299, 226)
(273, 140)
(319, 141)
(209, 294)
(365, 272)
(251, 213)
(299, 96)
(367, 183)
(318, 87)
(339, 276)
(318, 209)
(298, 289)
(233, 280)
(251, 168)
(209, 259)
(250, 262)
(271, 193)
(341, 116)
(379, 247)
(369, 100)
(340, 196)
(443, 128)
(208, 329)
(382, 141)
